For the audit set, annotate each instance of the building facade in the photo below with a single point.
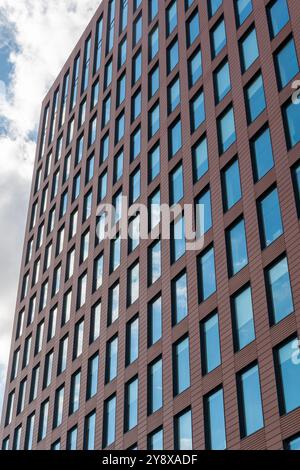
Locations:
(143, 344)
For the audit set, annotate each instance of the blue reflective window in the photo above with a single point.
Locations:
(213, 6)
(92, 380)
(231, 185)
(249, 49)
(278, 14)
(131, 404)
(154, 321)
(250, 404)
(155, 387)
(153, 81)
(195, 67)
(197, 111)
(177, 239)
(153, 44)
(243, 10)
(242, 318)
(278, 281)
(179, 293)
(172, 56)
(236, 247)
(286, 63)
(218, 38)
(296, 184)
(291, 116)
(192, 28)
(176, 185)
(175, 139)
(288, 376)
(293, 443)
(200, 159)
(210, 344)
(270, 217)
(222, 81)
(153, 121)
(206, 274)
(111, 359)
(214, 418)
(156, 440)
(262, 154)
(181, 366)
(226, 130)
(173, 95)
(203, 212)
(154, 163)
(109, 425)
(137, 30)
(90, 431)
(171, 17)
(255, 98)
(183, 431)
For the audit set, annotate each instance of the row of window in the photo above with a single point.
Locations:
(251, 415)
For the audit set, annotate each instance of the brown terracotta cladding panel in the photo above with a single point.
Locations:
(276, 427)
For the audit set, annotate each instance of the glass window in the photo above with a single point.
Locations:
(255, 98)
(135, 186)
(136, 67)
(154, 321)
(154, 208)
(243, 10)
(107, 74)
(153, 120)
(210, 344)
(278, 15)
(226, 130)
(137, 30)
(192, 29)
(153, 81)
(74, 400)
(197, 111)
(173, 95)
(286, 63)
(81, 291)
(213, 6)
(98, 272)
(118, 166)
(111, 359)
(262, 154)
(200, 159)
(195, 67)
(179, 294)
(92, 377)
(89, 431)
(156, 440)
(43, 424)
(181, 366)
(155, 386)
(62, 355)
(178, 245)
(153, 9)
(133, 283)
(78, 339)
(154, 262)
(269, 214)
(34, 383)
(242, 318)
(121, 90)
(214, 419)
(218, 38)
(222, 81)
(236, 247)
(249, 49)
(109, 421)
(135, 143)
(291, 117)
(58, 407)
(206, 274)
(296, 184)
(231, 185)
(136, 106)
(175, 138)
(131, 404)
(113, 306)
(95, 322)
(102, 186)
(48, 369)
(29, 432)
(120, 127)
(132, 340)
(72, 439)
(154, 163)
(104, 149)
(203, 213)
(250, 404)
(122, 52)
(106, 111)
(176, 185)
(183, 432)
(134, 233)
(172, 56)
(277, 282)
(293, 443)
(153, 43)
(171, 17)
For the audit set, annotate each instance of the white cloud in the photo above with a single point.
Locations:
(43, 34)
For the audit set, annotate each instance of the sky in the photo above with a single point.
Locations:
(36, 38)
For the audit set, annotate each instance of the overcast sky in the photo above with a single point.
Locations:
(36, 37)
